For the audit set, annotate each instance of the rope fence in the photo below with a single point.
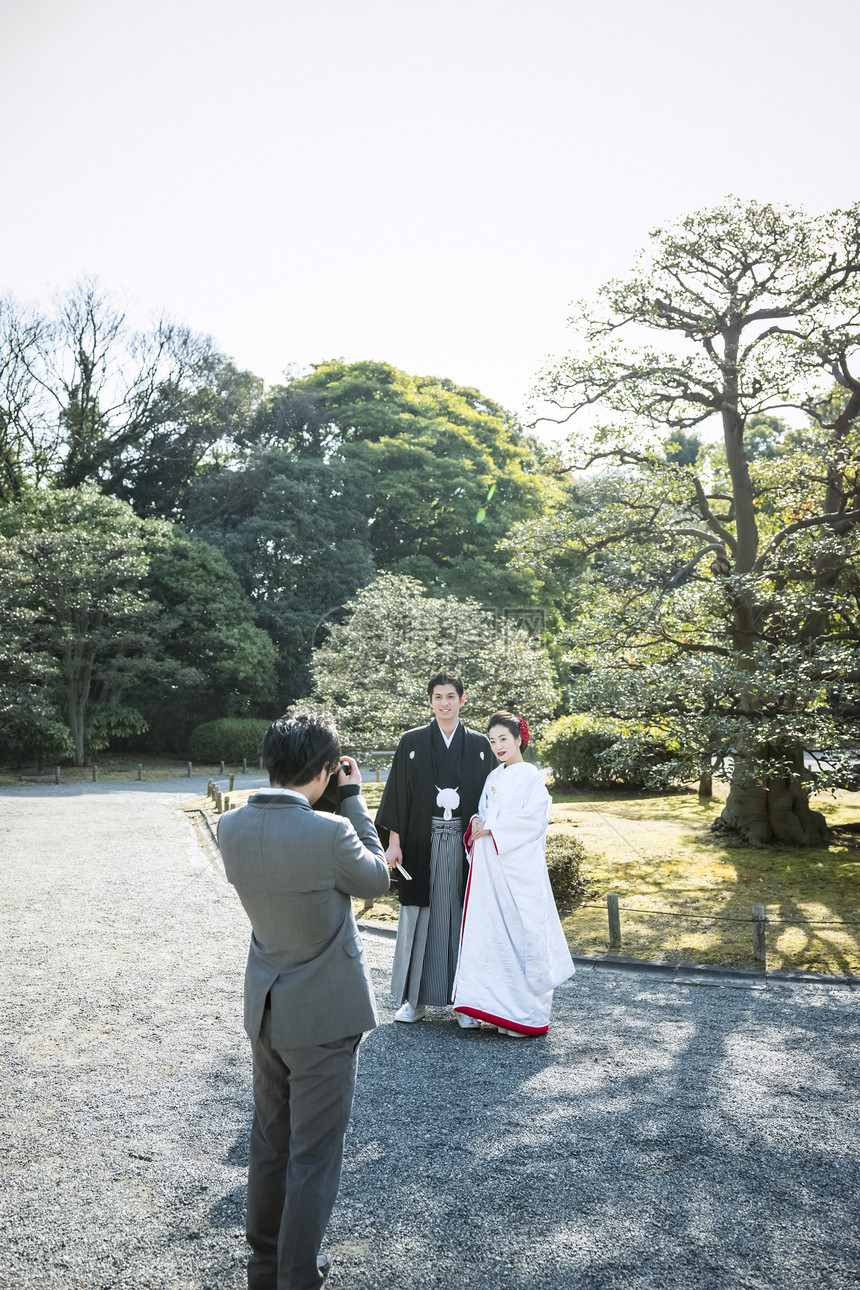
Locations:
(725, 918)
(758, 921)
(55, 776)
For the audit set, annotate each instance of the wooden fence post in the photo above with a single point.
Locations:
(140, 770)
(56, 774)
(95, 774)
(759, 922)
(244, 765)
(232, 781)
(261, 763)
(222, 768)
(189, 770)
(614, 921)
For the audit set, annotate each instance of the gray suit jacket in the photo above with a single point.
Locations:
(295, 870)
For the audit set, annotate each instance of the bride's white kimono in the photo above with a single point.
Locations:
(513, 951)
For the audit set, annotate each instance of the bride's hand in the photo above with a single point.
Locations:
(479, 830)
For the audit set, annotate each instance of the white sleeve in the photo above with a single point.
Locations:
(527, 825)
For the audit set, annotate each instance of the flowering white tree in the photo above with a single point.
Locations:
(372, 671)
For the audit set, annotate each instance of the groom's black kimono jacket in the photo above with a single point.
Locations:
(421, 766)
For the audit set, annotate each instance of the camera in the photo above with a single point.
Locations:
(329, 800)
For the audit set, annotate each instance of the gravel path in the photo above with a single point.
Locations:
(662, 1136)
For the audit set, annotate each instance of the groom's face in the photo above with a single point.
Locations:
(446, 702)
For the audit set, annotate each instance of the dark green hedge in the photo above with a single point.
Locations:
(228, 739)
(581, 749)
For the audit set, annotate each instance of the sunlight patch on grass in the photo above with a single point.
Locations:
(657, 854)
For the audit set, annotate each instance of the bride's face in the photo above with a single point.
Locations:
(505, 745)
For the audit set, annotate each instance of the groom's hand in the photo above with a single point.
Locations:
(393, 856)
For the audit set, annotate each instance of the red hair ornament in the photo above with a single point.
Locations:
(524, 731)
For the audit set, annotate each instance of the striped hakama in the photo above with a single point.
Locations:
(428, 936)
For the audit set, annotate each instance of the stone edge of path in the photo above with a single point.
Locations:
(681, 973)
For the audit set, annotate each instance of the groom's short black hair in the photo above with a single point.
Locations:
(298, 746)
(444, 678)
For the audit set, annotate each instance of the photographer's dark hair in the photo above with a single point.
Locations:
(298, 746)
(506, 719)
(444, 678)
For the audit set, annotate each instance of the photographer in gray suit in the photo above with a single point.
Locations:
(308, 995)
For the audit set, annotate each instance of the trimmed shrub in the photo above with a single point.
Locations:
(228, 739)
(36, 735)
(564, 859)
(571, 746)
(582, 749)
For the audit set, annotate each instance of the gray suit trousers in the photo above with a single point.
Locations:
(302, 1102)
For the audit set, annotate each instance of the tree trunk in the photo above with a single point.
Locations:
(76, 724)
(79, 671)
(778, 811)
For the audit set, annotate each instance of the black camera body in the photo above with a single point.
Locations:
(329, 801)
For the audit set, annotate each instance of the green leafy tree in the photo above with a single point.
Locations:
(119, 623)
(30, 717)
(447, 472)
(294, 530)
(360, 466)
(220, 662)
(683, 448)
(721, 603)
(193, 422)
(72, 564)
(373, 670)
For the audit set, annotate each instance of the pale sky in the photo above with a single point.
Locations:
(428, 184)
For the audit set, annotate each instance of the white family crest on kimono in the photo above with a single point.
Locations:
(449, 798)
(513, 951)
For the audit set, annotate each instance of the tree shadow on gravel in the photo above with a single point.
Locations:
(662, 1138)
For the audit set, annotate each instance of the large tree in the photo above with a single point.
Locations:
(446, 471)
(373, 669)
(357, 467)
(30, 722)
(294, 530)
(217, 661)
(112, 622)
(72, 563)
(87, 398)
(722, 601)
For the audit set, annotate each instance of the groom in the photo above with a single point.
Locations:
(438, 771)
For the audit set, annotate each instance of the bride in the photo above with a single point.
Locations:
(513, 952)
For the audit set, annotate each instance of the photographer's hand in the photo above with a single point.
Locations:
(352, 776)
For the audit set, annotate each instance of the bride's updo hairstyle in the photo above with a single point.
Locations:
(510, 722)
